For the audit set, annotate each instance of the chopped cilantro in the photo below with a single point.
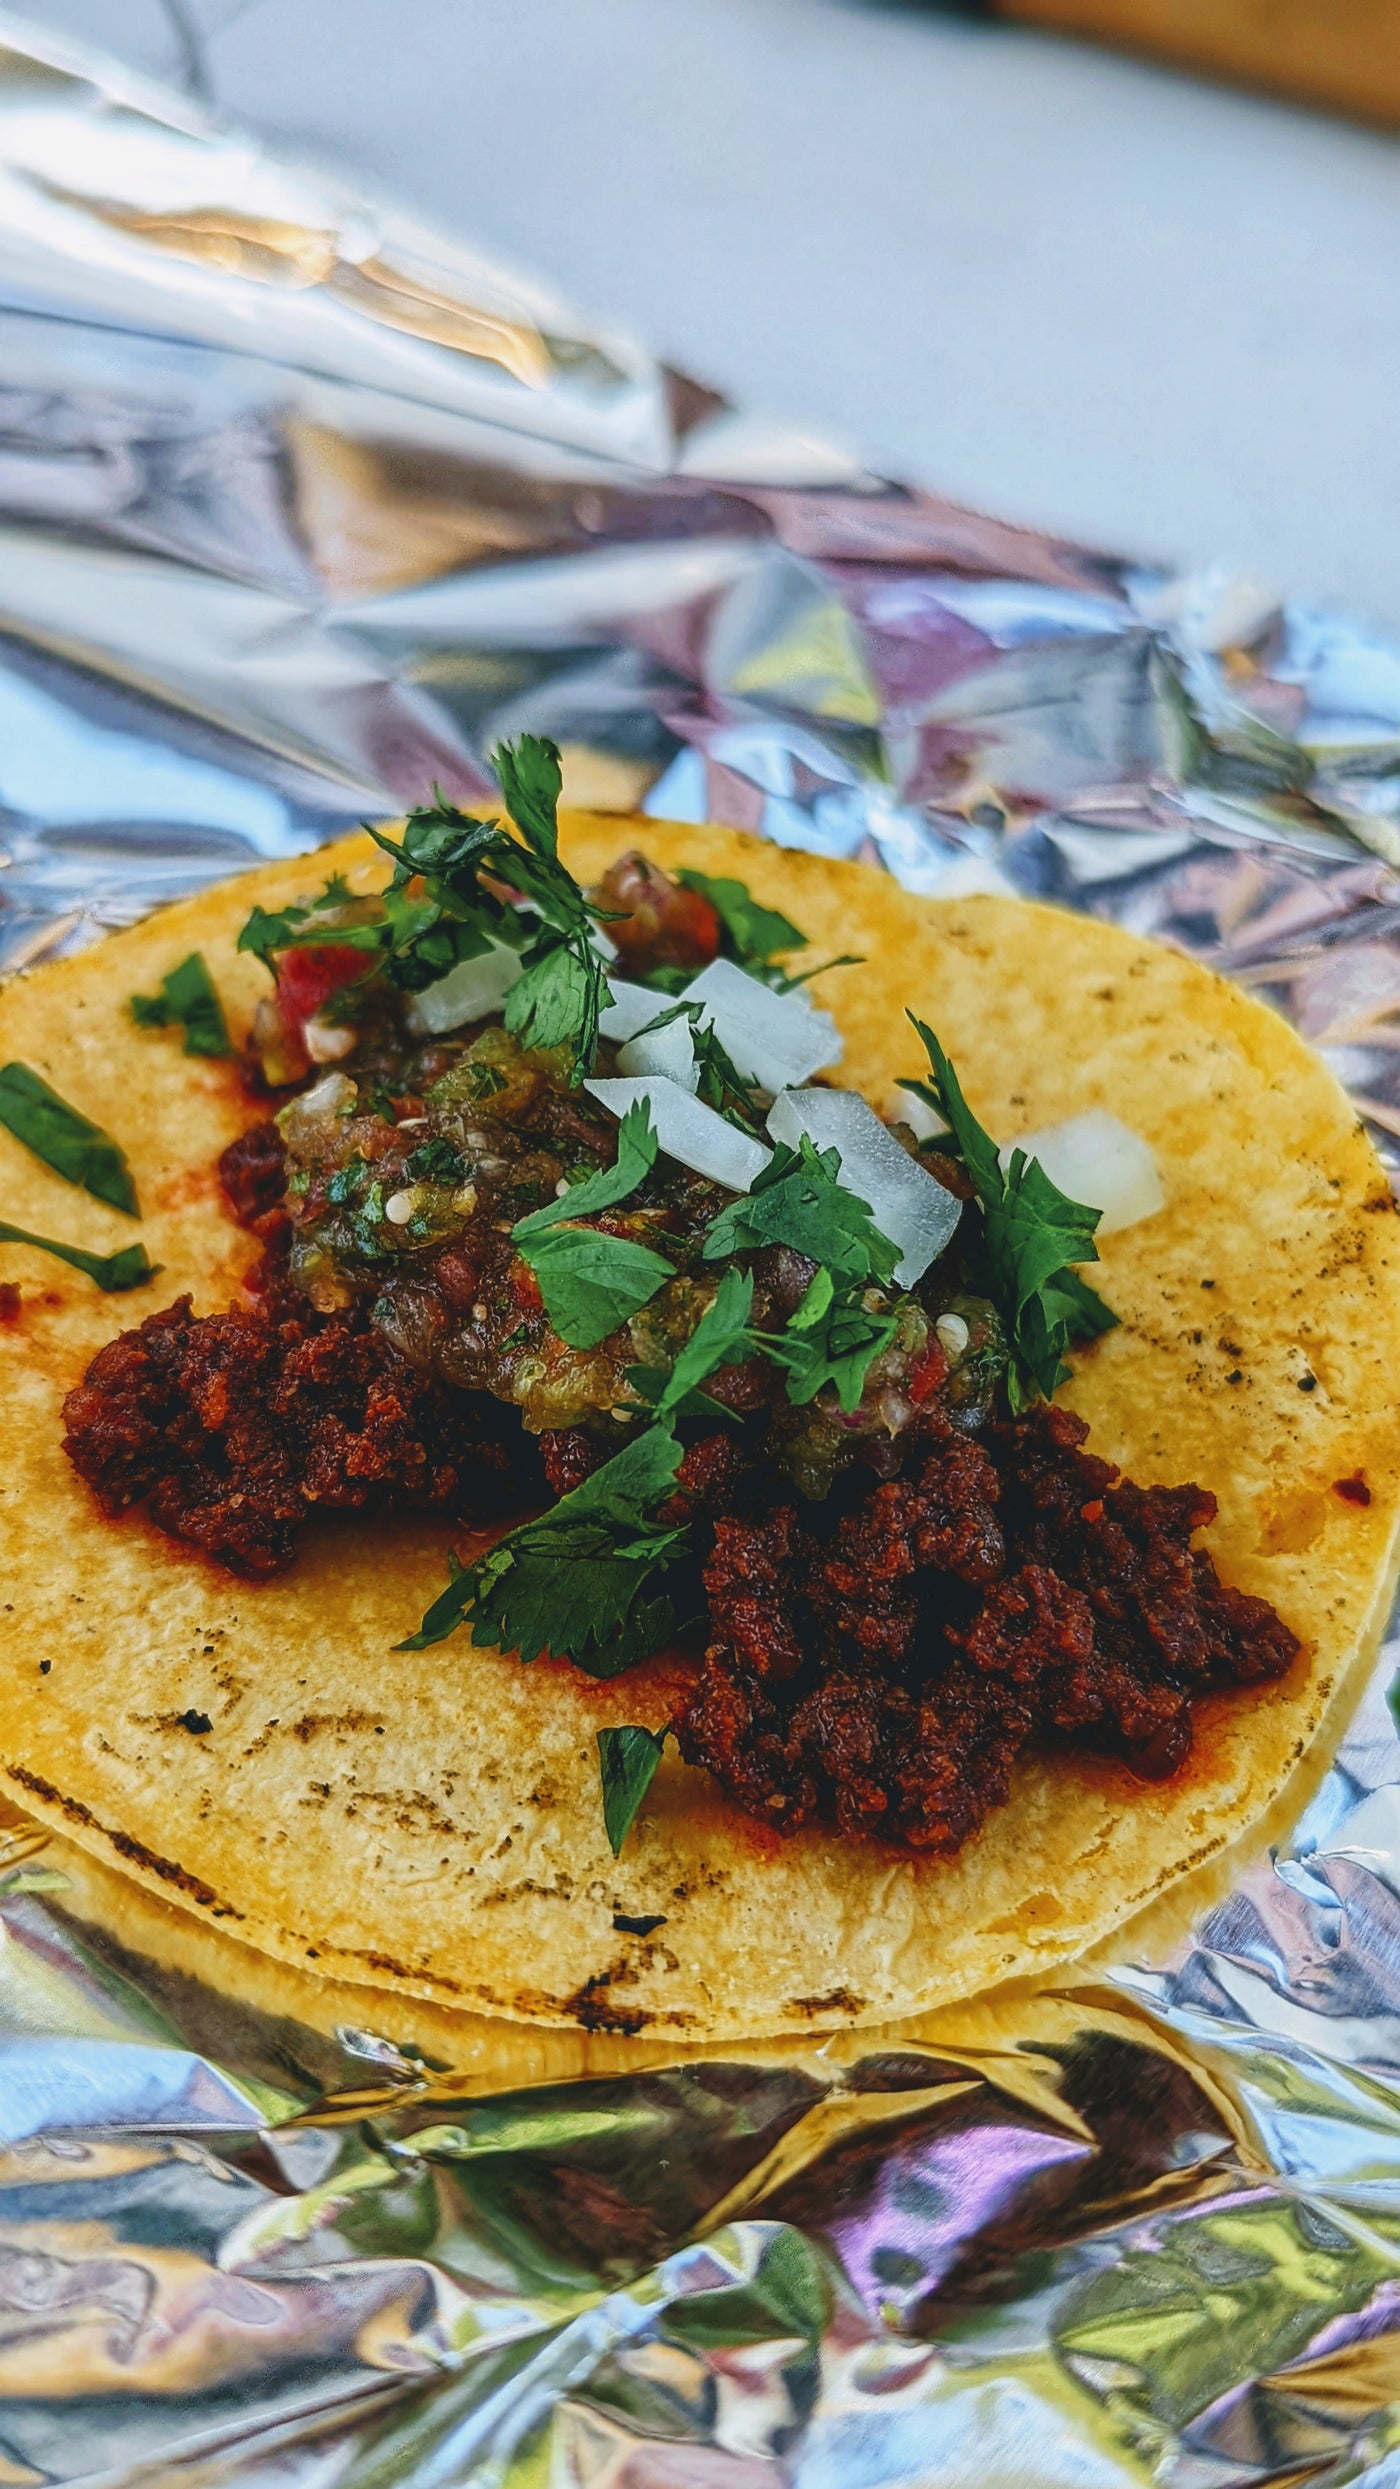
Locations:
(799, 1201)
(831, 1339)
(591, 1282)
(187, 1000)
(720, 1085)
(303, 927)
(721, 1337)
(558, 996)
(55, 1131)
(435, 1162)
(577, 1583)
(789, 985)
(1034, 1235)
(114, 1273)
(627, 1762)
(751, 932)
(345, 1183)
(531, 781)
(606, 1186)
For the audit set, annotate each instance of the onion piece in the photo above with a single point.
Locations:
(469, 991)
(779, 1040)
(301, 1118)
(908, 1205)
(924, 1121)
(669, 1050)
(1100, 1162)
(686, 1130)
(329, 1041)
(632, 1006)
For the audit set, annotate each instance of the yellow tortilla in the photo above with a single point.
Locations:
(429, 1824)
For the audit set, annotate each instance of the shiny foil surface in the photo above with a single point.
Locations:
(302, 507)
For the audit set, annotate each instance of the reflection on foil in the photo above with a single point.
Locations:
(302, 507)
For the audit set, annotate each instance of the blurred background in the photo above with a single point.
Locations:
(1058, 281)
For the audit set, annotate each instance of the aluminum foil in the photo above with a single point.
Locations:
(302, 506)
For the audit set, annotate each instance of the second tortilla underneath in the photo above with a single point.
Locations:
(430, 1822)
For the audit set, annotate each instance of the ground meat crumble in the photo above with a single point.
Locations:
(234, 1427)
(884, 1677)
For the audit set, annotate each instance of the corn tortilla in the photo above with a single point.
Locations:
(429, 1824)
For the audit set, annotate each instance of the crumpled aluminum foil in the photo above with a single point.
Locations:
(303, 507)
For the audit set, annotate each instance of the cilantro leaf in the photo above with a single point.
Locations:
(76, 1149)
(790, 984)
(188, 999)
(720, 1084)
(592, 1283)
(636, 1156)
(1071, 1299)
(627, 1762)
(751, 932)
(531, 781)
(721, 1337)
(969, 1139)
(1034, 1234)
(557, 999)
(799, 1201)
(268, 931)
(1038, 1229)
(434, 1161)
(577, 1582)
(301, 927)
(831, 1339)
(114, 1273)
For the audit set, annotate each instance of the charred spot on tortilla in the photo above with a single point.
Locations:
(769, 1403)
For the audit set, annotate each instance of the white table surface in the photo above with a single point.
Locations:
(1067, 287)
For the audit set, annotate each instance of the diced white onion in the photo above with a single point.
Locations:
(329, 1042)
(924, 1121)
(779, 1040)
(686, 1130)
(669, 1050)
(907, 1204)
(1100, 1162)
(469, 991)
(301, 1117)
(632, 1006)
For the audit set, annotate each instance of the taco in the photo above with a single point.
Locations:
(590, 1523)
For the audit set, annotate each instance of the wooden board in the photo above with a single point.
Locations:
(1341, 52)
